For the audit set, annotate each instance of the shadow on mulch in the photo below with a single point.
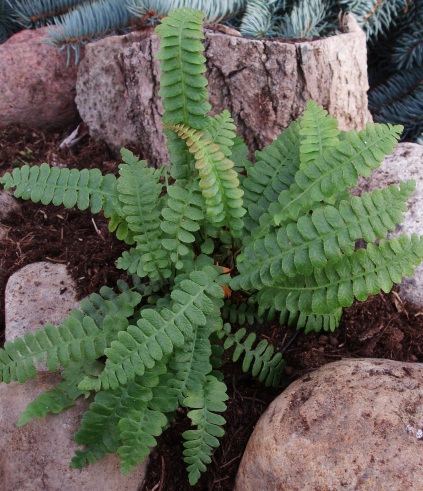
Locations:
(381, 327)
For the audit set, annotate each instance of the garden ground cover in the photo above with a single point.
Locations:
(382, 327)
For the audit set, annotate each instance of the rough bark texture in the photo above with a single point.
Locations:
(37, 88)
(264, 83)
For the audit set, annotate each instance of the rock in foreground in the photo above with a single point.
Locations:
(342, 427)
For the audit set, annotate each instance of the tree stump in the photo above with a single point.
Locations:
(264, 83)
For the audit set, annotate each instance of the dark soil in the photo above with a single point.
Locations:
(382, 327)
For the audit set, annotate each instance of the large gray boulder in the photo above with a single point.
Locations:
(264, 83)
(350, 425)
(37, 87)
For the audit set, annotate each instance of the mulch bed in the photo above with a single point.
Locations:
(382, 327)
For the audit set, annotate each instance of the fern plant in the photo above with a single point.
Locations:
(215, 245)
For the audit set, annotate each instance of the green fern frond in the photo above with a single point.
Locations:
(273, 173)
(319, 131)
(68, 187)
(181, 218)
(199, 443)
(182, 85)
(263, 362)
(63, 395)
(100, 426)
(191, 362)
(322, 237)
(158, 332)
(365, 272)
(108, 302)
(242, 313)
(218, 181)
(339, 167)
(139, 192)
(82, 336)
(73, 340)
(138, 436)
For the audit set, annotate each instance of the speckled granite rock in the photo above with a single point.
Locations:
(37, 87)
(406, 162)
(342, 427)
(36, 294)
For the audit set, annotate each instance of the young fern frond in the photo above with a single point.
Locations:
(159, 331)
(199, 443)
(68, 187)
(338, 167)
(182, 216)
(182, 84)
(218, 180)
(263, 362)
(322, 237)
(363, 273)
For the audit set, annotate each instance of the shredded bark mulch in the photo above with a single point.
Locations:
(382, 327)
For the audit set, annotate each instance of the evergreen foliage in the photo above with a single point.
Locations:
(212, 239)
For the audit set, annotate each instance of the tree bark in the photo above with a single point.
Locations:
(265, 84)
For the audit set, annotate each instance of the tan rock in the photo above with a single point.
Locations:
(342, 427)
(37, 456)
(406, 162)
(7, 204)
(36, 294)
(37, 88)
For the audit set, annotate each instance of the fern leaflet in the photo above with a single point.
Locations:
(267, 365)
(85, 188)
(319, 238)
(199, 443)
